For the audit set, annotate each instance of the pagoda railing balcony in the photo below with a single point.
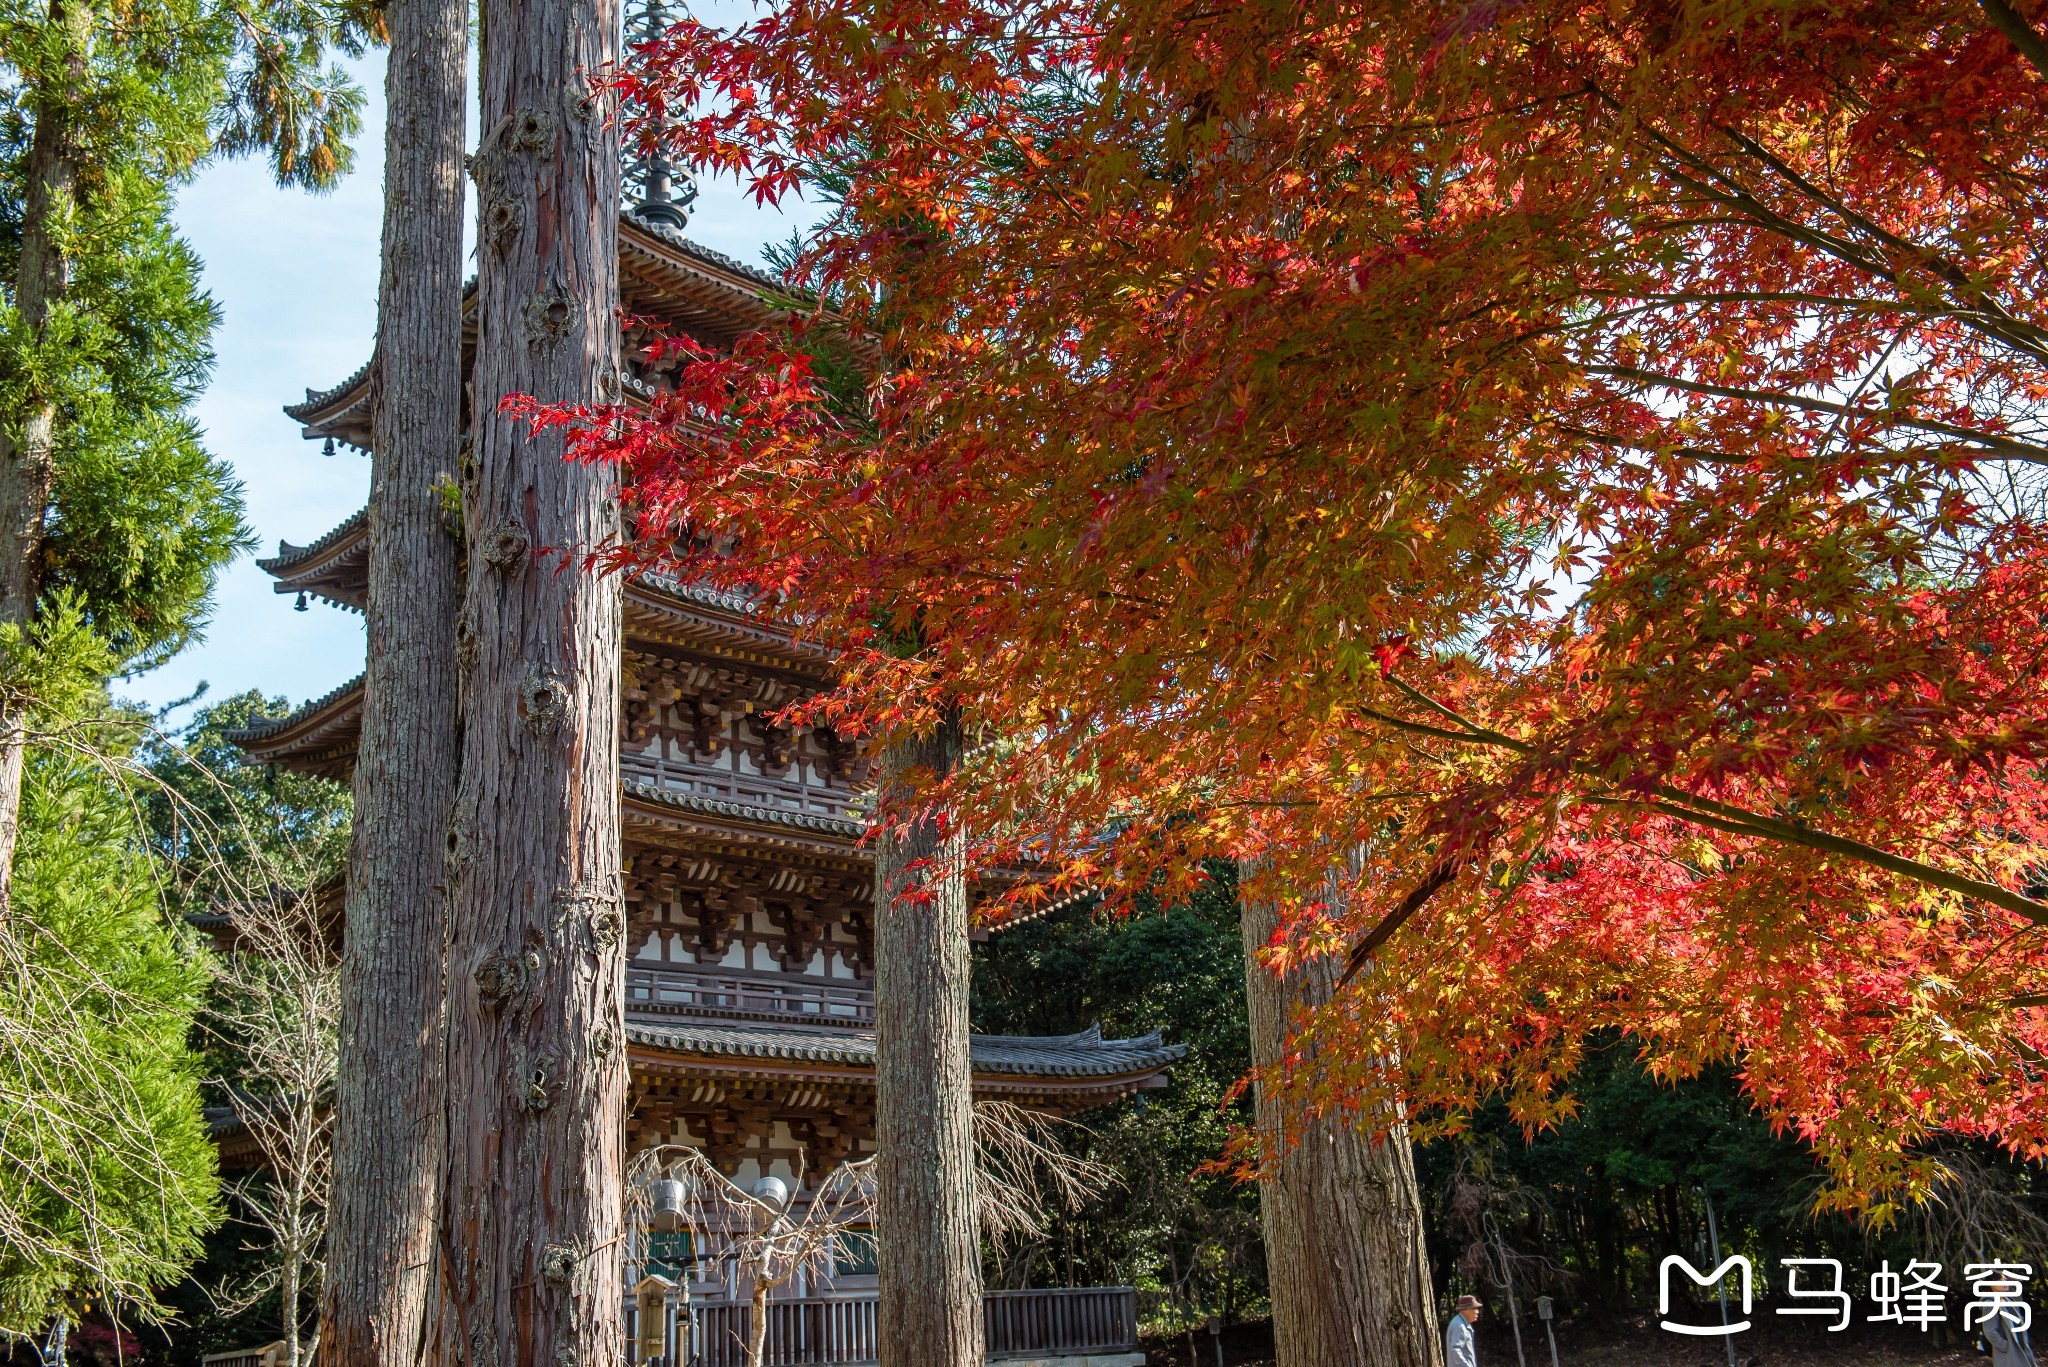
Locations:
(747, 790)
(791, 998)
(832, 1331)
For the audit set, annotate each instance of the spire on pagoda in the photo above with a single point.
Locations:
(666, 193)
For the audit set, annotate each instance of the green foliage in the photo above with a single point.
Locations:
(141, 517)
(168, 83)
(1174, 1228)
(57, 662)
(224, 823)
(1590, 1208)
(284, 98)
(107, 1180)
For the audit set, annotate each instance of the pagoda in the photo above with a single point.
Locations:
(749, 891)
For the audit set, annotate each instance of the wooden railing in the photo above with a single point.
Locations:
(813, 1330)
(748, 790)
(1082, 1319)
(708, 992)
(835, 1332)
(265, 1355)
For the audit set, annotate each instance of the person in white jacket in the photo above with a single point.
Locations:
(1459, 1350)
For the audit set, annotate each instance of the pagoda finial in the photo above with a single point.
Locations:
(666, 193)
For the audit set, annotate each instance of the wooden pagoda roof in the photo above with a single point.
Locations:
(660, 610)
(810, 1069)
(702, 293)
(336, 567)
(1058, 1072)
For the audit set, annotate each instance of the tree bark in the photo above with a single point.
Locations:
(530, 1213)
(925, 1220)
(28, 467)
(1342, 1214)
(388, 1091)
(757, 1326)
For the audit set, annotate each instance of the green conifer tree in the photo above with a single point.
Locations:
(114, 523)
(105, 107)
(107, 1177)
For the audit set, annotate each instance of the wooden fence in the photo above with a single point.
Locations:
(836, 1332)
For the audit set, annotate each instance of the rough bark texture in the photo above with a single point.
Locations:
(1342, 1215)
(930, 1239)
(388, 1097)
(531, 1219)
(28, 469)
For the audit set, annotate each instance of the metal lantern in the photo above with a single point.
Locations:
(666, 1200)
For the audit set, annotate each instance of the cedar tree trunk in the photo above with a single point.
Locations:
(388, 1100)
(28, 468)
(1342, 1214)
(925, 1220)
(530, 1212)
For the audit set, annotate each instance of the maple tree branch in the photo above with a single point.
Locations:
(1990, 441)
(1832, 301)
(1677, 802)
(2018, 31)
(1986, 317)
(1471, 728)
(1696, 808)
(1421, 728)
(1737, 821)
(1711, 457)
(1699, 453)
(1361, 953)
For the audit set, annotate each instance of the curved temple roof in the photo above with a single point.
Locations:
(701, 292)
(1068, 1071)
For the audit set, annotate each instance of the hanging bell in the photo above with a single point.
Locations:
(773, 1194)
(328, 448)
(665, 1198)
(300, 606)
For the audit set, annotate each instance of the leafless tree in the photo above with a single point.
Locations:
(279, 996)
(1023, 1175)
(1971, 1215)
(772, 1234)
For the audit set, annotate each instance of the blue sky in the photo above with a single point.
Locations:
(295, 276)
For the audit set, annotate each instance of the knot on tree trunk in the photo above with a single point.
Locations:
(558, 1266)
(505, 975)
(550, 316)
(598, 912)
(503, 545)
(543, 701)
(503, 217)
(537, 1078)
(531, 129)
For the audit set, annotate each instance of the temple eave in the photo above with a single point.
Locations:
(1093, 1072)
(700, 290)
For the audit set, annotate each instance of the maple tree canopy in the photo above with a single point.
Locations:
(1555, 488)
